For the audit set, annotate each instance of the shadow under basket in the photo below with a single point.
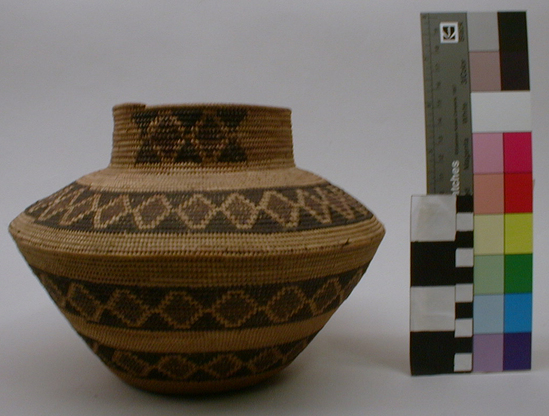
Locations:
(201, 259)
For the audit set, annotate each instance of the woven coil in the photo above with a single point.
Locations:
(201, 259)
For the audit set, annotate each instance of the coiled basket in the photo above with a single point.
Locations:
(201, 259)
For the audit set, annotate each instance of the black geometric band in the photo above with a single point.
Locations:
(176, 308)
(199, 367)
(271, 210)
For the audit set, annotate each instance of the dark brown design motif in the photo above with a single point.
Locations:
(199, 367)
(77, 207)
(179, 308)
(190, 136)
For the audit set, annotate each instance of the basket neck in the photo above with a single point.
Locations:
(187, 137)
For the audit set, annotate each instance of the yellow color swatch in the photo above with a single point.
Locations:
(489, 234)
(519, 233)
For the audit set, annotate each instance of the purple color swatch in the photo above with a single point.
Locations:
(488, 353)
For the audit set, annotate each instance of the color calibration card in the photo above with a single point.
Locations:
(472, 235)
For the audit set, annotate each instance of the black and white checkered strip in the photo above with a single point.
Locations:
(441, 296)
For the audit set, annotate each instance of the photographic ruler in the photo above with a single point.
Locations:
(447, 103)
(471, 235)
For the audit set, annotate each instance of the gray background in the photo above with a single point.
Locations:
(351, 72)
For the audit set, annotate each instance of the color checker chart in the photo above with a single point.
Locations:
(502, 183)
(472, 236)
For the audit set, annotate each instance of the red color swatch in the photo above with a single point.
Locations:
(518, 192)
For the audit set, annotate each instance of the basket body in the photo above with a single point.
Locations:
(201, 259)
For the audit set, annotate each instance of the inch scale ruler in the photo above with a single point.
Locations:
(447, 103)
(471, 236)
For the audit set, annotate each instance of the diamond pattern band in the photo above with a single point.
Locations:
(190, 135)
(177, 308)
(78, 207)
(199, 367)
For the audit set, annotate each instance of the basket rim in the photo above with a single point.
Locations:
(211, 105)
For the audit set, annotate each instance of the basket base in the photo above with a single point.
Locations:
(195, 388)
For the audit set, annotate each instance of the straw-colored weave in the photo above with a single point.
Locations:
(201, 259)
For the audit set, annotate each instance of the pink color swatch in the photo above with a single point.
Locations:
(487, 153)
